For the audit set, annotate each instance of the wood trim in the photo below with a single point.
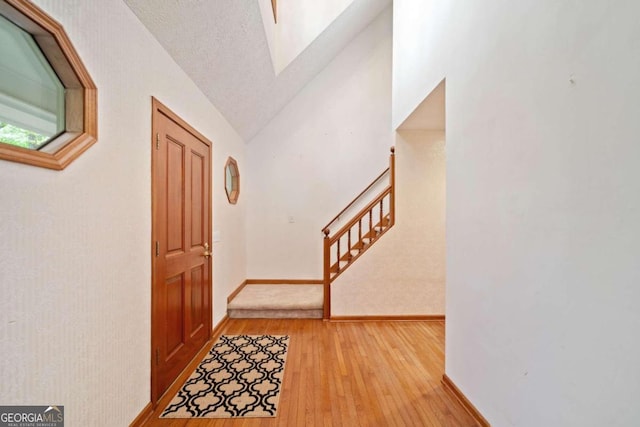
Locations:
(274, 6)
(392, 184)
(326, 279)
(154, 219)
(217, 330)
(359, 215)
(392, 318)
(326, 227)
(355, 257)
(158, 107)
(450, 386)
(233, 294)
(81, 129)
(283, 282)
(143, 416)
(234, 194)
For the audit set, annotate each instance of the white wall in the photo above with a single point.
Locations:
(404, 272)
(317, 154)
(75, 245)
(299, 23)
(543, 200)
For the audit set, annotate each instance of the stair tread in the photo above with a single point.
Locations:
(346, 257)
(360, 245)
(275, 314)
(367, 240)
(278, 297)
(335, 268)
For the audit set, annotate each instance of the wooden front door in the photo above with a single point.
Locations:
(181, 234)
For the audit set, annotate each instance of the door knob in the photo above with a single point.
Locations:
(207, 252)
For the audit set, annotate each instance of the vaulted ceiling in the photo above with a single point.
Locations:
(222, 46)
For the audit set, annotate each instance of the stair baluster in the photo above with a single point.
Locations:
(370, 224)
(332, 271)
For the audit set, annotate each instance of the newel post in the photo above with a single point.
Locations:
(392, 184)
(327, 275)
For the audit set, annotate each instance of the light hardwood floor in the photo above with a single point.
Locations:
(351, 374)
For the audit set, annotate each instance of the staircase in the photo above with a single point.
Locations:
(355, 237)
(341, 249)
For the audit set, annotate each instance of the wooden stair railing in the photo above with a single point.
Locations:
(355, 237)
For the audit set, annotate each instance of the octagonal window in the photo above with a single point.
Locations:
(31, 94)
(47, 98)
(232, 180)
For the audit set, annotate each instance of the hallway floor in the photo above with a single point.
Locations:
(350, 374)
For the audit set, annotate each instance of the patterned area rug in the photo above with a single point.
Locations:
(240, 377)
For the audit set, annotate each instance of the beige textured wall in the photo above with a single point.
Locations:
(404, 272)
(75, 267)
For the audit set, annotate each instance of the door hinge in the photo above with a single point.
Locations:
(157, 141)
(157, 248)
(157, 356)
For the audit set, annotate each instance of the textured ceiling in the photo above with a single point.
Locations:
(221, 45)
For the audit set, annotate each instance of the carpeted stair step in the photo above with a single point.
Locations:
(277, 302)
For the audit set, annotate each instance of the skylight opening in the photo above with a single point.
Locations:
(292, 25)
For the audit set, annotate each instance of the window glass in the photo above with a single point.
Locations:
(232, 180)
(228, 180)
(31, 94)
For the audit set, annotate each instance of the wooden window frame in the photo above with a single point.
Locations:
(232, 195)
(81, 94)
(274, 6)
